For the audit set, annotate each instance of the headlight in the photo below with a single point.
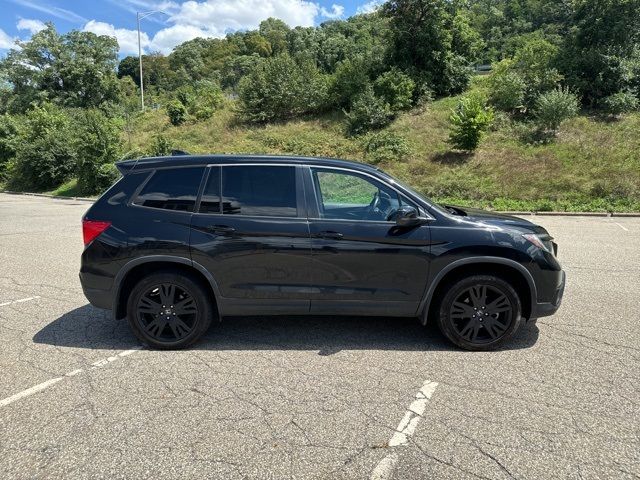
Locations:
(541, 242)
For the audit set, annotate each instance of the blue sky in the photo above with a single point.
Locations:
(183, 21)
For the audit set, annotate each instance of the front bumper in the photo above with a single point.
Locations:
(546, 309)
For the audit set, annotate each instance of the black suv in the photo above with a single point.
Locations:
(180, 241)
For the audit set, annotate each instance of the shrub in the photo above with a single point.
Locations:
(385, 147)
(506, 87)
(160, 146)
(98, 146)
(368, 112)
(423, 94)
(177, 112)
(185, 95)
(203, 112)
(45, 154)
(209, 96)
(553, 108)
(620, 103)
(396, 88)
(469, 122)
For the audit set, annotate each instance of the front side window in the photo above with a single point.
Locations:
(259, 191)
(172, 189)
(349, 196)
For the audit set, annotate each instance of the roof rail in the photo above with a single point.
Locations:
(177, 153)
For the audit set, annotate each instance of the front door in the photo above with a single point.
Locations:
(251, 233)
(362, 262)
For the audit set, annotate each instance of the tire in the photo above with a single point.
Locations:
(164, 324)
(462, 320)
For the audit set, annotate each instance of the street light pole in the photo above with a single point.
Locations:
(140, 16)
(140, 61)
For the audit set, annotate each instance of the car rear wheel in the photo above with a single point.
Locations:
(169, 311)
(480, 312)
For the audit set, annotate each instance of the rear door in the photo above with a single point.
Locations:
(362, 261)
(251, 233)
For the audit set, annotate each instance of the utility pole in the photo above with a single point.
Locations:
(140, 16)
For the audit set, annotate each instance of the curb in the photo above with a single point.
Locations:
(572, 214)
(45, 195)
(507, 212)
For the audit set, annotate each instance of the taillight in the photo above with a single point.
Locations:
(91, 229)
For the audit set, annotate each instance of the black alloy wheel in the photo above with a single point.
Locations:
(480, 312)
(169, 311)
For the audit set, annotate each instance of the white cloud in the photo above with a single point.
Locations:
(127, 39)
(209, 18)
(336, 11)
(370, 6)
(167, 38)
(6, 41)
(215, 18)
(57, 12)
(223, 15)
(34, 26)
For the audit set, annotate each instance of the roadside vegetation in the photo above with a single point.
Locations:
(554, 126)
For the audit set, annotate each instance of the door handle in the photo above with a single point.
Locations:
(331, 235)
(221, 229)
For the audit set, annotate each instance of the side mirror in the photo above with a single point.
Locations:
(407, 216)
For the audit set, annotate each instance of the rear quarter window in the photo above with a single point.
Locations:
(171, 189)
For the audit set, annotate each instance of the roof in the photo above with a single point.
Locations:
(126, 166)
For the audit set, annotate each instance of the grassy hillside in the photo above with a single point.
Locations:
(593, 165)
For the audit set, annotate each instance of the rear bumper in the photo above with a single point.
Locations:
(546, 309)
(97, 297)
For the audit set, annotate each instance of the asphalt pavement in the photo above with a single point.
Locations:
(314, 397)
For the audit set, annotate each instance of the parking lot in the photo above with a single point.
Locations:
(313, 397)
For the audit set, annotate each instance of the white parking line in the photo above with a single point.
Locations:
(19, 301)
(622, 227)
(44, 385)
(406, 428)
(29, 391)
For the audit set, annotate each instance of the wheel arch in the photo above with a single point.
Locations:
(513, 272)
(136, 269)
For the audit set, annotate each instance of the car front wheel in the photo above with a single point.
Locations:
(480, 312)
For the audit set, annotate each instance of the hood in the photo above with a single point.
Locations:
(494, 218)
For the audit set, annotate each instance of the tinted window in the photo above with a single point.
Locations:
(349, 196)
(259, 190)
(172, 189)
(210, 202)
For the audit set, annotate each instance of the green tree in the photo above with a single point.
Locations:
(45, 151)
(350, 78)
(76, 69)
(98, 147)
(423, 33)
(601, 56)
(281, 88)
(275, 31)
(507, 88)
(8, 132)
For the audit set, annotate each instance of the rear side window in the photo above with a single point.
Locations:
(210, 202)
(172, 189)
(259, 191)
